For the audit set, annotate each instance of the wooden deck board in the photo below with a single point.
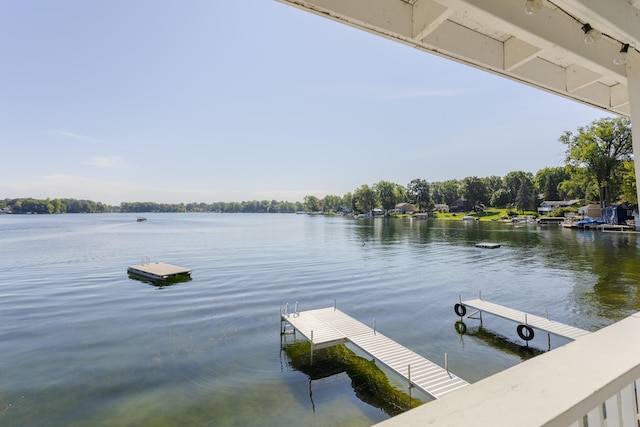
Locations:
(537, 322)
(331, 325)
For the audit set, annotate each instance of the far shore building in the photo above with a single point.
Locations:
(590, 211)
(548, 206)
(405, 208)
(441, 207)
(461, 205)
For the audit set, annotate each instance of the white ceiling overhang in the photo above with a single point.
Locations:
(545, 49)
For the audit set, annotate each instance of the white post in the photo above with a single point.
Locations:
(409, 379)
(633, 84)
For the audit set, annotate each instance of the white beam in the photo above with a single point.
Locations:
(427, 16)
(548, 29)
(517, 52)
(618, 18)
(544, 73)
(619, 95)
(389, 18)
(579, 77)
(467, 45)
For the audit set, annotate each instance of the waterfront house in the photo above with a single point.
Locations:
(441, 207)
(548, 206)
(405, 208)
(591, 211)
(461, 205)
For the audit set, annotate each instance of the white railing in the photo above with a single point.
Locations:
(591, 382)
(620, 410)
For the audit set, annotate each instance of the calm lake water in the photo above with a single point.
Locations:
(84, 344)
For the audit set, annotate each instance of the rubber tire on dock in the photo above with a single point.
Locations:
(460, 309)
(525, 332)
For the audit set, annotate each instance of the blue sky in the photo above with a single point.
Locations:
(222, 100)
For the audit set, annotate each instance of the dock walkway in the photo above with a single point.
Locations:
(537, 322)
(330, 326)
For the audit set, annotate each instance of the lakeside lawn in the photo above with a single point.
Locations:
(491, 214)
(488, 215)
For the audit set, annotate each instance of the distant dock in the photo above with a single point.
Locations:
(159, 271)
(487, 245)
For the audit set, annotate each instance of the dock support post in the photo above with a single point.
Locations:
(446, 362)
(334, 304)
(295, 313)
(546, 310)
(374, 326)
(409, 380)
(312, 347)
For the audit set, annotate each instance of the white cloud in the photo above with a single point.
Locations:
(72, 135)
(113, 162)
(430, 94)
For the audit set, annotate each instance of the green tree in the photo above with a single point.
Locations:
(579, 185)
(311, 203)
(629, 186)
(524, 199)
(418, 193)
(547, 182)
(500, 198)
(331, 203)
(445, 192)
(474, 190)
(513, 181)
(389, 194)
(601, 149)
(364, 199)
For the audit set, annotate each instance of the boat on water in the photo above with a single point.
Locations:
(141, 219)
(363, 216)
(589, 223)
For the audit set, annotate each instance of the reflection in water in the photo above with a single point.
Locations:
(602, 266)
(161, 283)
(498, 341)
(369, 383)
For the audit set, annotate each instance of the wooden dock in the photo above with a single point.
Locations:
(531, 320)
(158, 271)
(487, 245)
(330, 326)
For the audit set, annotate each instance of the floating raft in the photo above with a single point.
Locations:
(537, 322)
(487, 245)
(159, 271)
(329, 326)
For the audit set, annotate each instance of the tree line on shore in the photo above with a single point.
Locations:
(57, 206)
(599, 168)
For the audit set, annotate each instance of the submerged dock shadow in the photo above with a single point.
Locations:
(160, 283)
(369, 383)
(498, 341)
